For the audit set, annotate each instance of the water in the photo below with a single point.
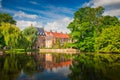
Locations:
(60, 67)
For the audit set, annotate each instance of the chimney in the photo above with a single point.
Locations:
(31, 25)
(42, 27)
(50, 30)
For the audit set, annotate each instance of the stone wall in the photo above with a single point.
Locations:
(60, 50)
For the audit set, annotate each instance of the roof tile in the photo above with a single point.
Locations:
(58, 35)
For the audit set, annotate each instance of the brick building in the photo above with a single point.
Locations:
(53, 37)
(47, 39)
(40, 41)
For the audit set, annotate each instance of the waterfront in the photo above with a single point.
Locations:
(60, 67)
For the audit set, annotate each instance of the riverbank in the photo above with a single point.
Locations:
(59, 50)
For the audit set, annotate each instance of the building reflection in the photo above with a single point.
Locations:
(51, 62)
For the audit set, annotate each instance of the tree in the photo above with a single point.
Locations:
(30, 34)
(83, 27)
(22, 42)
(2, 42)
(105, 22)
(109, 40)
(10, 33)
(57, 44)
(95, 67)
(87, 26)
(7, 18)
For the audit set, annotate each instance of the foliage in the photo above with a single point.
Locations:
(95, 67)
(12, 65)
(2, 42)
(57, 44)
(22, 42)
(6, 18)
(30, 34)
(12, 37)
(109, 40)
(87, 25)
(7, 30)
(66, 45)
(83, 26)
(10, 33)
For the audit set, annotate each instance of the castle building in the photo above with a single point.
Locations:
(53, 37)
(47, 39)
(40, 41)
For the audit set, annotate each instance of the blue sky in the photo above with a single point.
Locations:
(52, 14)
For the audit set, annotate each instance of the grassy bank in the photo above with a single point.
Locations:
(19, 51)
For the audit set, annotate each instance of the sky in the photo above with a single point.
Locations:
(52, 14)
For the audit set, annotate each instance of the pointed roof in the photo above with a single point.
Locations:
(40, 32)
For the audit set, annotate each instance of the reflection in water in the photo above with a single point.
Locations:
(52, 62)
(8, 66)
(52, 66)
(11, 66)
(60, 67)
(35, 67)
(95, 67)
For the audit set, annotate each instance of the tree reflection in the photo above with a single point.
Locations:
(9, 69)
(95, 67)
(11, 66)
(26, 63)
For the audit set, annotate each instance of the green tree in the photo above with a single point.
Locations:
(105, 22)
(87, 26)
(7, 18)
(83, 27)
(109, 40)
(22, 42)
(57, 44)
(30, 34)
(95, 67)
(4, 18)
(2, 42)
(10, 33)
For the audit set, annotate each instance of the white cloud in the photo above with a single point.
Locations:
(4, 10)
(33, 2)
(87, 4)
(52, 12)
(115, 12)
(23, 24)
(54, 18)
(59, 25)
(60, 9)
(112, 7)
(97, 3)
(21, 14)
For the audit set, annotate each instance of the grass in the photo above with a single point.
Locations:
(19, 51)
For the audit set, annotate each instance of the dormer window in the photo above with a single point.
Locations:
(38, 33)
(41, 33)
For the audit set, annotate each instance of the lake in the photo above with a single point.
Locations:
(60, 66)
